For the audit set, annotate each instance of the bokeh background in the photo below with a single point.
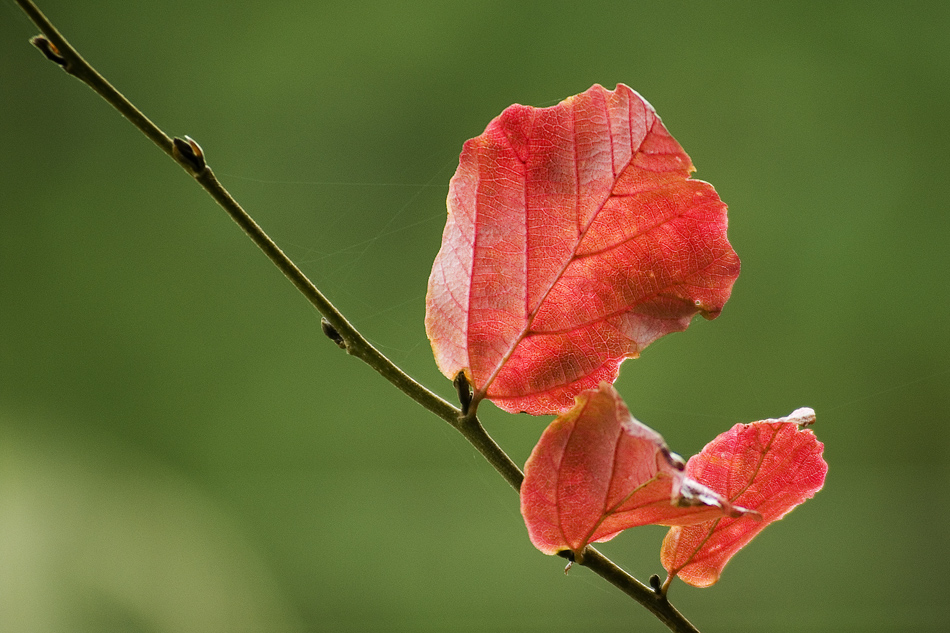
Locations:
(181, 449)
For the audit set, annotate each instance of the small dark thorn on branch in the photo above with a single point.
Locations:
(189, 152)
(657, 586)
(332, 334)
(464, 390)
(48, 49)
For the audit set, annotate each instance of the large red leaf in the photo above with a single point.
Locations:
(596, 471)
(574, 239)
(769, 466)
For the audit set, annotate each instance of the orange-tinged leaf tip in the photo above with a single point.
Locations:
(575, 237)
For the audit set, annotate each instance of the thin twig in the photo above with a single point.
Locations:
(191, 158)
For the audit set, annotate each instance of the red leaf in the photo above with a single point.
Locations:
(769, 466)
(574, 239)
(596, 471)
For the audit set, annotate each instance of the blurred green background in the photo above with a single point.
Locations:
(181, 449)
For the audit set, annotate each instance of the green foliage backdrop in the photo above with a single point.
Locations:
(182, 450)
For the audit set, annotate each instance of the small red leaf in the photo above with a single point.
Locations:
(574, 239)
(769, 466)
(596, 471)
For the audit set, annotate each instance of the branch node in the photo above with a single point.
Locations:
(332, 334)
(188, 152)
(49, 50)
(657, 586)
(464, 390)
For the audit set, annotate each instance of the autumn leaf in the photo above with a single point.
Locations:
(574, 239)
(596, 471)
(770, 467)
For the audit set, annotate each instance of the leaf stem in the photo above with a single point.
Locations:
(191, 158)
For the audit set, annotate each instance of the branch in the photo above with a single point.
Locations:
(189, 155)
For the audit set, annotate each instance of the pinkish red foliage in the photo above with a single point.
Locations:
(596, 471)
(770, 467)
(574, 239)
